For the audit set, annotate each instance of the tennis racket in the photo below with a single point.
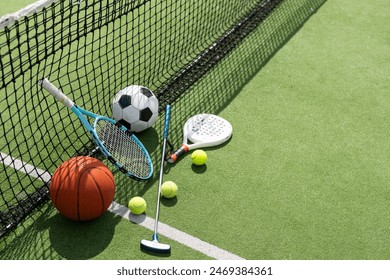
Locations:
(116, 142)
(203, 130)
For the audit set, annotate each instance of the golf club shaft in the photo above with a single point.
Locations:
(166, 127)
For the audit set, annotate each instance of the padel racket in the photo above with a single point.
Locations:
(203, 130)
(115, 141)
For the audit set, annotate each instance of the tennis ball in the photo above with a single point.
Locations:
(169, 189)
(199, 157)
(137, 205)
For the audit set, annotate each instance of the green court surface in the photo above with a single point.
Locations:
(306, 174)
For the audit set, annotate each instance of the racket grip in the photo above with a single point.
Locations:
(172, 158)
(167, 119)
(56, 92)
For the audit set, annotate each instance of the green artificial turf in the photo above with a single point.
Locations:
(47, 235)
(305, 175)
(7, 7)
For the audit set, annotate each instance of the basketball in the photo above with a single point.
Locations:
(82, 188)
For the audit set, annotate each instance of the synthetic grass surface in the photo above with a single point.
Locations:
(306, 173)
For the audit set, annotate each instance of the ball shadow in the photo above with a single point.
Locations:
(81, 240)
(199, 169)
(149, 139)
(169, 202)
(137, 219)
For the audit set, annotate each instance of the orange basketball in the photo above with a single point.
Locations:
(82, 188)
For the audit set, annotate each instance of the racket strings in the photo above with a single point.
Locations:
(123, 148)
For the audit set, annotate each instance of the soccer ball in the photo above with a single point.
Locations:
(135, 107)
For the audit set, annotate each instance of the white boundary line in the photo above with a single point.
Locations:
(142, 220)
(24, 167)
(174, 234)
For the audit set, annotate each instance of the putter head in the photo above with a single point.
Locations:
(153, 246)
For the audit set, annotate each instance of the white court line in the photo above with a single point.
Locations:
(24, 167)
(174, 234)
(147, 222)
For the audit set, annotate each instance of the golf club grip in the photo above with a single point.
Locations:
(56, 92)
(182, 150)
(167, 119)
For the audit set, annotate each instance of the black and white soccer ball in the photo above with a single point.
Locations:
(135, 107)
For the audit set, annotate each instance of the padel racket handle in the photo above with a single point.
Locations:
(172, 158)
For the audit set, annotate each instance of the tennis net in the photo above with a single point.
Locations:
(94, 48)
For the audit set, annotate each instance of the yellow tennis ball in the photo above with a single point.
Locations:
(199, 157)
(169, 189)
(137, 205)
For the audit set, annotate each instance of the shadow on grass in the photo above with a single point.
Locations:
(208, 93)
(81, 240)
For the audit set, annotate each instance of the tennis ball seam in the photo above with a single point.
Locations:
(137, 205)
(169, 189)
(199, 157)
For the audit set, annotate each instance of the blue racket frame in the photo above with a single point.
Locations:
(80, 112)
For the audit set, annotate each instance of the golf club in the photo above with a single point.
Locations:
(154, 246)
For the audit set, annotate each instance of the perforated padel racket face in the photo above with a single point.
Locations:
(207, 128)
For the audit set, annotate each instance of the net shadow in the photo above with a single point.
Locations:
(194, 55)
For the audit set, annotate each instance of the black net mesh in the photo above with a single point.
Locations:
(93, 48)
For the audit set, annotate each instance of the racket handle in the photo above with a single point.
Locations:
(172, 158)
(56, 92)
(167, 119)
